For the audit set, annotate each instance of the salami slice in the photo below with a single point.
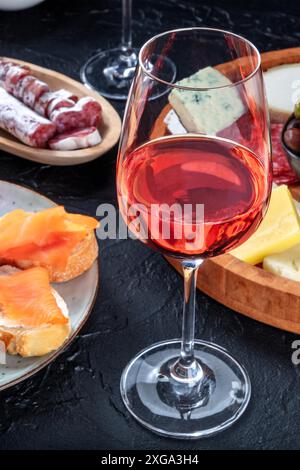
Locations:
(23, 123)
(4, 67)
(75, 140)
(12, 76)
(18, 80)
(33, 90)
(85, 113)
(282, 171)
(42, 103)
(54, 100)
(58, 103)
(21, 86)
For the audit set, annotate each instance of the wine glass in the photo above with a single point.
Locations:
(193, 182)
(111, 71)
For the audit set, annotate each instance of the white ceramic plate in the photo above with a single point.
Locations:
(79, 293)
(11, 5)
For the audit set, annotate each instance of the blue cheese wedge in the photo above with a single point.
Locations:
(206, 112)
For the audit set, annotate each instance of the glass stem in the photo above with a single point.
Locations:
(187, 368)
(126, 25)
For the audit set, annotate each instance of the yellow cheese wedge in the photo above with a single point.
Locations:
(279, 230)
(286, 264)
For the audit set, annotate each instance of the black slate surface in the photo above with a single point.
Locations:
(74, 403)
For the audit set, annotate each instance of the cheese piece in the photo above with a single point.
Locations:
(286, 264)
(279, 230)
(206, 112)
(173, 123)
(283, 88)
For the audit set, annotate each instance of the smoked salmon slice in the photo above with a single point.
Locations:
(46, 237)
(27, 300)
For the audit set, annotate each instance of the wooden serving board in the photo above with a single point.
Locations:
(249, 289)
(109, 128)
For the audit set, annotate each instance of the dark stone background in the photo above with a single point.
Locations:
(75, 403)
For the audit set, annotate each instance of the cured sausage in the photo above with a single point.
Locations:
(23, 123)
(19, 81)
(85, 113)
(75, 140)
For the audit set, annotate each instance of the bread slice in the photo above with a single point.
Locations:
(61, 242)
(36, 341)
(79, 261)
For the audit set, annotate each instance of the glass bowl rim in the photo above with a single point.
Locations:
(216, 30)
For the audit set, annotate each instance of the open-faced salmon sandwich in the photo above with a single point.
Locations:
(33, 316)
(63, 243)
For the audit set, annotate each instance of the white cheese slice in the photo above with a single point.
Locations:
(286, 264)
(283, 87)
(173, 123)
(206, 112)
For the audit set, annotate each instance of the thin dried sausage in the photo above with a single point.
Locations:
(23, 123)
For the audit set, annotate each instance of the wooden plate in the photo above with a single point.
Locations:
(109, 128)
(249, 289)
(79, 293)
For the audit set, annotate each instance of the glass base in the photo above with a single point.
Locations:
(110, 72)
(181, 408)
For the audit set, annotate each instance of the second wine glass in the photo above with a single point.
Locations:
(111, 71)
